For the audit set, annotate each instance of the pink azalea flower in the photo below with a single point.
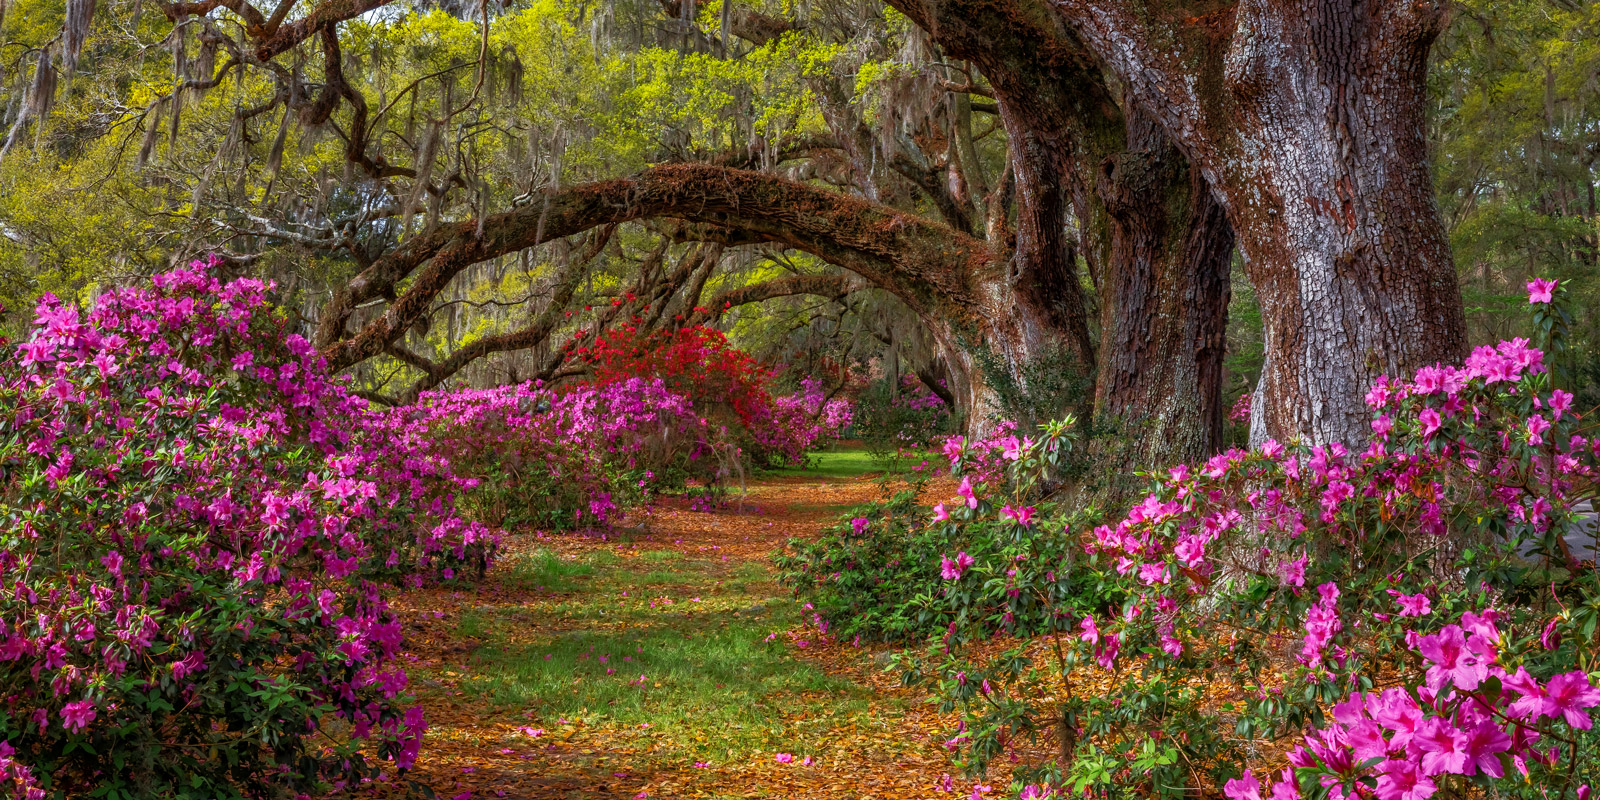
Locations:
(1412, 605)
(1537, 425)
(1107, 655)
(1402, 780)
(1541, 290)
(1190, 549)
(1286, 787)
(1397, 711)
(784, 758)
(1245, 787)
(1091, 632)
(77, 716)
(951, 569)
(1560, 402)
(1023, 515)
(1484, 745)
(1531, 702)
(965, 490)
(940, 514)
(1444, 749)
(1430, 422)
(1011, 448)
(1567, 695)
(859, 525)
(1153, 574)
(952, 448)
(1551, 638)
(1366, 740)
(1451, 660)
(1293, 572)
(1381, 425)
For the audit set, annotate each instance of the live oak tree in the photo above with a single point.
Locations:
(1025, 177)
(1307, 119)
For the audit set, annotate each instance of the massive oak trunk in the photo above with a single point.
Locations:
(1148, 227)
(1307, 118)
(1166, 300)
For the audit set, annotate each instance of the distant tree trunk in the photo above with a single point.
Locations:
(1150, 231)
(1307, 117)
(1166, 299)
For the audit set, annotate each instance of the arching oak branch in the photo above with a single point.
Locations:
(831, 287)
(929, 266)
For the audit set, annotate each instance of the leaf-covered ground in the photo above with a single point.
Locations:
(662, 660)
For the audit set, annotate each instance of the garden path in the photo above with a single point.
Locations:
(663, 661)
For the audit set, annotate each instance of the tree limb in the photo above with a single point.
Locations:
(926, 264)
(830, 287)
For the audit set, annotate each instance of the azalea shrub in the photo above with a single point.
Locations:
(563, 459)
(198, 522)
(900, 421)
(728, 388)
(1396, 622)
(899, 571)
(865, 571)
(583, 455)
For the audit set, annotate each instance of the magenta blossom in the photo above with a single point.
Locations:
(1245, 787)
(965, 490)
(1431, 421)
(1403, 780)
(1451, 659)
(1567, 696)
(1541, 290)
(77, 716)
(1091, 632)
(1022, 515)
(1412, 605)
(1293, 573)
(951, 569)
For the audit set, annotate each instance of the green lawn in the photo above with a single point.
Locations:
(712, 682)
(839, 464)
(850, 463)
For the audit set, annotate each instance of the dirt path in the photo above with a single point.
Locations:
(661, 661)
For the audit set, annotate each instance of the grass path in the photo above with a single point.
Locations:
(662, 661)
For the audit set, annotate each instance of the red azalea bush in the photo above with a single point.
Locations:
(696, 362)
(728, 387)
(1419, 590)
(196, 520)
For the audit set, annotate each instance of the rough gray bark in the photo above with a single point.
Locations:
(1307, 118)
(1148, 227)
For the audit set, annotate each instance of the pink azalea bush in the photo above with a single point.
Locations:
(1419, 587)
(198, 522)
(899, 421)
(559, 459)
(894, 570)
(795, 424)
(583, 455)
